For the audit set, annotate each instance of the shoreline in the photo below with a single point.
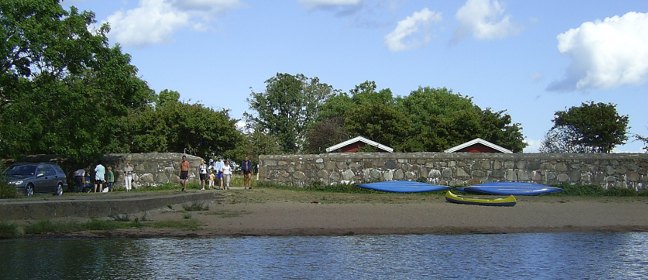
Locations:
(263, 212)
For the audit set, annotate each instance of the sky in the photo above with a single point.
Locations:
(530, 58)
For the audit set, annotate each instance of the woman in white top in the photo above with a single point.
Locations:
(202, 170)
(227, 173)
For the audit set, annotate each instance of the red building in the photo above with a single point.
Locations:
(355, 144)
(478, 145)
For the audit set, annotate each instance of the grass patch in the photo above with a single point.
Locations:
(594, 190)
(9, 231)
(7, 191)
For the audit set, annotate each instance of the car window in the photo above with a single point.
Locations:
(21, 170)
(46, 170)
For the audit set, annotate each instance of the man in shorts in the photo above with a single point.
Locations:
(100, 173)
(184, 172)
(246, 169)
(218, 169)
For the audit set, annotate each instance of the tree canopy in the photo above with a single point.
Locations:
(64, 89)
(287, 108)
(589, 128)
(428, 119)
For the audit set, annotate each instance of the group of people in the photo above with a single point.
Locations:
(102, 175)
(219, 170)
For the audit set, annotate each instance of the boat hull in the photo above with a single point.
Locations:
(403, 186)
(511, 188)
(499, 201)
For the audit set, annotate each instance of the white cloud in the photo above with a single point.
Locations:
(155, 21)
(485, 20)
(605, 54)
(533, 145)
(413, 31)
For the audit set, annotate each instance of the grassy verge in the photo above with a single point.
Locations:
(9, 230)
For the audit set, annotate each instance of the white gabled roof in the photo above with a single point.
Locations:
(359, 139)
(478, 141)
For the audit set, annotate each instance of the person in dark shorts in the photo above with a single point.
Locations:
(246, 169)
(184, 172)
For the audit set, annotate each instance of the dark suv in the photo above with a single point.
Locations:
(30, 178)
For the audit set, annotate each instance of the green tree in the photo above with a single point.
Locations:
(589, 128)
(442, 119)
(63, 90)
(172, 126)
(287, 108)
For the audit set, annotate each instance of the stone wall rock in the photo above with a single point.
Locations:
(457, 169)
(152, 169)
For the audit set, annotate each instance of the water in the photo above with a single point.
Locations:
(476, 256)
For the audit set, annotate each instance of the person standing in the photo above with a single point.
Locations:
(246, 169)
(110, 179)
(227, 174)
(218, 167)
(128, 176)
(100, 173)
(79, 179)
(184, 172)
(202, 171)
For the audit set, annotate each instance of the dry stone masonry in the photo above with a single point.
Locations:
(457, 169)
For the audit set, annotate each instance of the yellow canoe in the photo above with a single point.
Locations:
(499, 201)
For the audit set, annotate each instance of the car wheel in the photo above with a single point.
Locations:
(59, 189)
(29, 190)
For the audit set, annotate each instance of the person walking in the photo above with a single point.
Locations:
(227, 174)
(246, 169)
(100, 173)
(184, 172)
(202, 171)
(128, 176)
(110, 179)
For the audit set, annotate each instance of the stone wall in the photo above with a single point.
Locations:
(151, 169)
(458, 169)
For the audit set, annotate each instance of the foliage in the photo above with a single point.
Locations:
(9, 230)
(170, 125)
(287, 108)
(426, 120)
(443, 119)
(64, 90)
(6, 190)
(326, 133)
(589, 128)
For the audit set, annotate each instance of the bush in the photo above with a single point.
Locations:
(9, 231)
(7, 191)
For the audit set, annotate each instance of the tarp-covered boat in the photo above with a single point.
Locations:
(511, 188)
(403, 186)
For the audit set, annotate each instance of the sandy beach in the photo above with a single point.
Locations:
(281, 212)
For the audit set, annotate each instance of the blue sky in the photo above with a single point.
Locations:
(528, 57)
